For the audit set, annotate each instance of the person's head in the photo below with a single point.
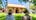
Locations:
(10, 12)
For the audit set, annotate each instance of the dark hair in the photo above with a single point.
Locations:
(10, 12)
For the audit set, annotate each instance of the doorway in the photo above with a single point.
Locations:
(17, 10)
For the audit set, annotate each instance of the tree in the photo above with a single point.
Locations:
(23, 1)
(0, 8)
(6, 3)
(34, 2)
(0, 4)
(33, 8)
(0, 1)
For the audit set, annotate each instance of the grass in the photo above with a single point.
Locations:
(33, 16)
(2, 16)
(17, 16)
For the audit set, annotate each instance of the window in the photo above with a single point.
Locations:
(16, 11)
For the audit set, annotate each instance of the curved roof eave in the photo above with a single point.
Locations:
(16, 5)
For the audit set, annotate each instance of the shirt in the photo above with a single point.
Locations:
(10, 17)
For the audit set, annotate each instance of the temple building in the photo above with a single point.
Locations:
(16, 8)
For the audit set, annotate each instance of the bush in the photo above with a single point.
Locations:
(2, 16)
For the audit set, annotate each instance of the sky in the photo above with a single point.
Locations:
(17, 2)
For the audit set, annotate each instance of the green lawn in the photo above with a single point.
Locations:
(2, 16)
(33, 16)
(17, 16)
